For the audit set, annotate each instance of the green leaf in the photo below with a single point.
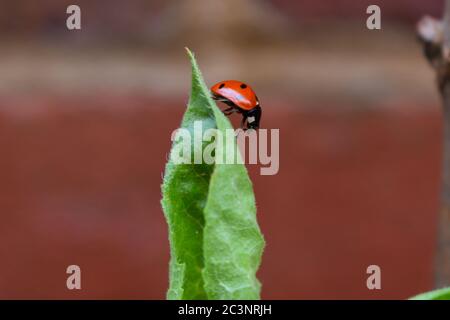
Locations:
(215, 242)
(439, 294)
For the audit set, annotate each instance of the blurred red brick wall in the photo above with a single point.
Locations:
(80, 184)
(402, 11)
(115, 18)
(80, 175)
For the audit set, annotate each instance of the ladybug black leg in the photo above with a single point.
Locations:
(228, 111)
(244, 119)
(231, 110)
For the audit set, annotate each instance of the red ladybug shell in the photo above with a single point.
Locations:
(237, 92)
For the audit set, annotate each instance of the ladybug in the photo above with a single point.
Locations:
(241, 99)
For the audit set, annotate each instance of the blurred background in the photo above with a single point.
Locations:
(86, 118)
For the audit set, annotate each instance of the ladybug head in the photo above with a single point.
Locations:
(253, 118)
